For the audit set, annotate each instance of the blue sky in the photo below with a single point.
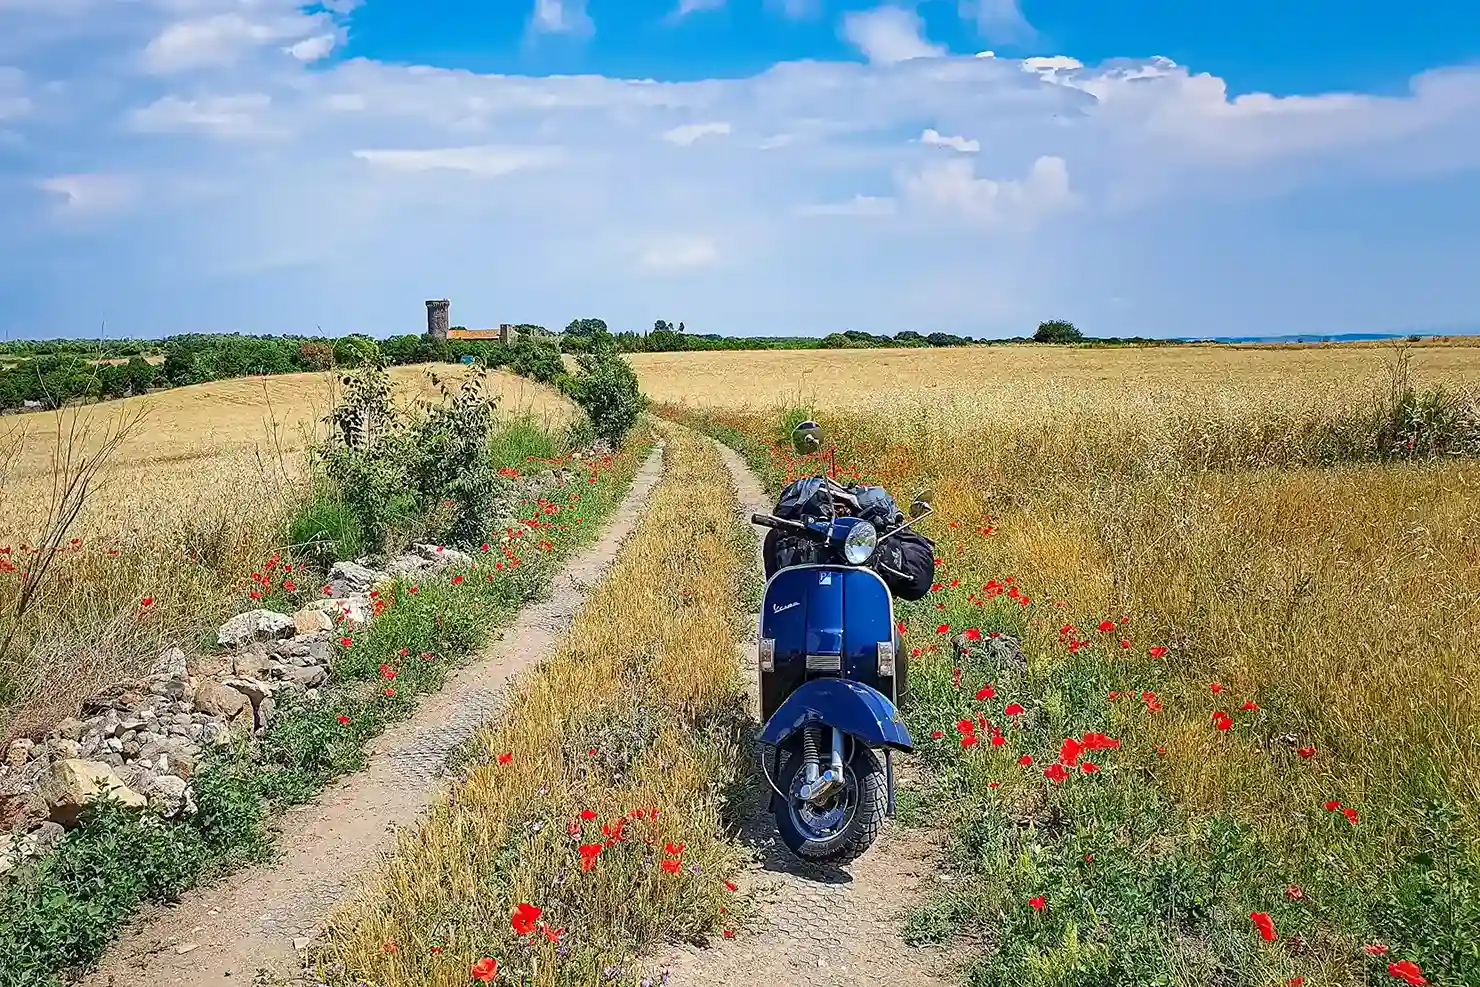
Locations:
(746, 166)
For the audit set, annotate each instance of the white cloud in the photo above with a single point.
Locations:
(561, 17)
(486, 162)
(224, 116)
(221, 39)
(314, 48)
(952, 189)
(688, 133)
(859, 205)
(90, 194)
(961, 144)
(679, 254)
(887, 35)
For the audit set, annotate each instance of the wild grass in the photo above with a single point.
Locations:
(620, 747)
(1307, 563)
(195, 498)
(60, 913)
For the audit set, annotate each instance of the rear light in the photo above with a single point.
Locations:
(768, 654)
(886, 659)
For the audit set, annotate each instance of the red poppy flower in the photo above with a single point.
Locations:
(1069, 751)
(1222, 721)
(1089, 767)
(968, 740)
(1350, 814)
(1125, 643)
(1037, 903)
(732, 885)
(1056, 773)
(1157, 651)
(457, 580)
(1249, 705)
(671, 865)
(289, 585)
(485, 969)
(1295, 982)
(1407, 970)
(342, 719)
(524, 918)
(147, 601)
(1215, 688)
(985, 692)
(943, 629)
(937, 734)
(1106, 625)
(673, 848)
(390, 690)
(1306, 752)
(1331, 805)
(1375, 949)
(972, 634)
(506, 757)
(1025, 760)
(998, 740)
(1265, 924)
(346, 642)
(966, 726)
(1014, 709)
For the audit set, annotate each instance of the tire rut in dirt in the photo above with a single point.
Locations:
(816, 925)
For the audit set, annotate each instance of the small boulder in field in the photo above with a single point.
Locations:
(306, 676)
(74, 782)
(442, 557)
(352, 577)
(172, 664)
(355, 610)
(252, 663)
(312, 621)
(255, 625)
(217, 700)
(171, 797)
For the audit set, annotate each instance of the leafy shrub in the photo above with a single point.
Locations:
(537, 362)
(608, 392)
(426, 471)
(1057, 331)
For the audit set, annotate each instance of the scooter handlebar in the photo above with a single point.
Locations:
(769, 521)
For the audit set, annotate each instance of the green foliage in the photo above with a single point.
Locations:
(326, 529)
(1057, 331)
(425, 471)
(59, 913)
(356, 350)
(608, 392)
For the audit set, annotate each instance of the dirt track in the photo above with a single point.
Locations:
(222, 936)
(817, 927)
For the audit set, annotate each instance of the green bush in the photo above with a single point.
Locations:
(607, 391)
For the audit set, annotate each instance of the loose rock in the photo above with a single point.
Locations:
(255, 625)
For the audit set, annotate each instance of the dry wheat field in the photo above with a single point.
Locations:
(1238, 563)
(191, 499)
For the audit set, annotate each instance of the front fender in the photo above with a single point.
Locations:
(852, 707)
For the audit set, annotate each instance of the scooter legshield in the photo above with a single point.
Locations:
(852, 707)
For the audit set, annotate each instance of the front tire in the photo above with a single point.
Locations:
(848, 825)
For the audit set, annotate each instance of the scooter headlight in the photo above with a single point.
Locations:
(859, 546)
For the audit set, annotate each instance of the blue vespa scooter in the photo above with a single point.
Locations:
(828, 686)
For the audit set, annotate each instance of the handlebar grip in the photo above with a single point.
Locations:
(768, 521)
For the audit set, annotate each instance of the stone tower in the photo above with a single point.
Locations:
(437, 317)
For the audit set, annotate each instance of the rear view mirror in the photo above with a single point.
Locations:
(806, 438)
(920, 506)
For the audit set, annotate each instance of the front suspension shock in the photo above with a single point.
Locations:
(812, 752)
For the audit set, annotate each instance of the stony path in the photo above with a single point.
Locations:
(223, 935)
(817, 927)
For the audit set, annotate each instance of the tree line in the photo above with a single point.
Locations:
(51, 373)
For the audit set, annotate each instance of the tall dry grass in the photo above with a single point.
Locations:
(1341, 598)
(180, 513)
(625, 741)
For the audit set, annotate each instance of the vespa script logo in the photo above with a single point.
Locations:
(783, 607)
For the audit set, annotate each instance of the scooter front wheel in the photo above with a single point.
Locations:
(841, 829)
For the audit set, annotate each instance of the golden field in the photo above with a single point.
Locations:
(188, 504)
(1215, 503)
(997, 381)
